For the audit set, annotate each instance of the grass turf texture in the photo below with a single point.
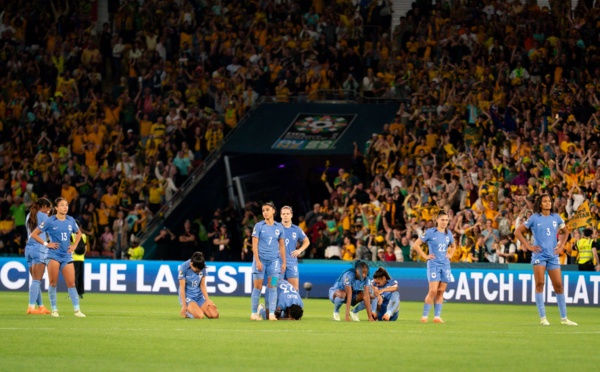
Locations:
(134, 332)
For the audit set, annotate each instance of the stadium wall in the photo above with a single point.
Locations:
(506, 284)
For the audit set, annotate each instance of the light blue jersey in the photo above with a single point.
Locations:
(348, 278)
(59, 232)
(386, 295)
(268, 240)
(192, 282)
(545, 234)
(287, 296)
(438, 243)
(390, 303)
(293, 236)
(36, 253)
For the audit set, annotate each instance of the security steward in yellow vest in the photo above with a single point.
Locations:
(78, 259)
(588, 254)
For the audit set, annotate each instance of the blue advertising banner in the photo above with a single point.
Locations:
(223, 278)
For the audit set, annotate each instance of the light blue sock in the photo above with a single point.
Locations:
(263, 313)
(426, 309)
(539, 301)
(189, 315)
(255, 298)
(272, 299)
(393, 304)
(52, 295)
(34, 291)
(562, 305)
(38, 301)
(337, 303)
(359, 307)
(74, 298)
(374, 305)
(437, 310)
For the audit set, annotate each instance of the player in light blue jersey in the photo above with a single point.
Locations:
(385, 301)
(545, 225)
(293, 235)
(441, 246)
(193, 296)
(289, 303)
(351, 287)
(60, 255)
(269, 261)
(36, 254)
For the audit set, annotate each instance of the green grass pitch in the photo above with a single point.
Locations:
(144, 332)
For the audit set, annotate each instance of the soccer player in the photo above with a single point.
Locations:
(545, 225)
(268, 248)
(441, 248)
(289, 302)
(36, 254)
(59, 228)
(193, 296)
(351, 287)
(293, 235)
(385, 302)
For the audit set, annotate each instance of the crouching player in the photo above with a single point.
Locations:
(386, 304)
(289, 303)
(351, 287)
(193, 296)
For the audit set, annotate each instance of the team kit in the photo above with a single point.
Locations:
(54, 237)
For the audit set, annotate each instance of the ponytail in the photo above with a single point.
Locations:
(32, 223)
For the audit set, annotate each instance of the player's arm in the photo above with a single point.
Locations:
(182, 297)
(255, 253)
(36, 236)
(391, 288)
(417, 248)
(367, 300)
(205, 292)
(450, 252)
(282, 253)
(76, 241)
(348, 290)
(519, 235)
(563, 239)
(303, 247)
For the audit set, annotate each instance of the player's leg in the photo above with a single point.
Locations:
(68, 271)
(194, 310)
(210, 310)
(393, 307)
(272, 271)
(338, 298)
(53, 268)
(438, 303)
(433, 276)
(292, 276)
(257, 279)
(555, 275)
(36, 270)
(539, 276)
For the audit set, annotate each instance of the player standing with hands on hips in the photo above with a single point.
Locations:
(545, 225)
(268, 248)
(441, 248)
(60, 255)
(293, 235)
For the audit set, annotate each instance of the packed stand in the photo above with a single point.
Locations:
(496, 109)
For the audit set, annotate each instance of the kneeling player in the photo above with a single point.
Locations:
(351, 288)
(385, 303)
(193, 296)
(289, 303)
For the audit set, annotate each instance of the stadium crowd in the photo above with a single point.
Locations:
(499, 102)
